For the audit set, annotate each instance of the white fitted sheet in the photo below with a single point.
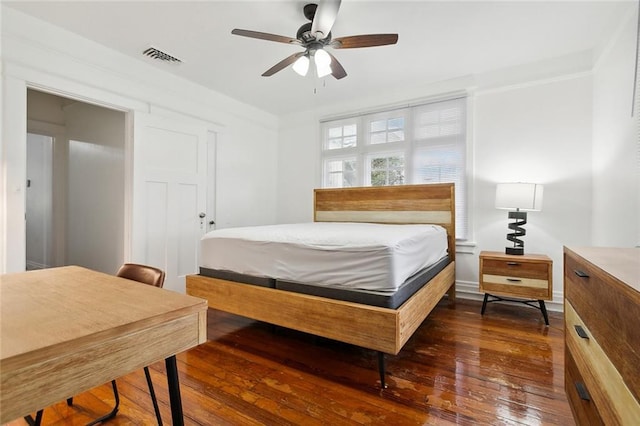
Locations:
(352, 255)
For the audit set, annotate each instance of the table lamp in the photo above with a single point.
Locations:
(519, 198)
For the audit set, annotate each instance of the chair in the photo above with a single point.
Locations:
(146, 275)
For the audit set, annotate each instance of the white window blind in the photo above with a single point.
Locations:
(425, 143)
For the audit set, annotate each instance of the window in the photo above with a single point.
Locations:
(424, 143)
(341, 172)
(385, 169)
(342, 137)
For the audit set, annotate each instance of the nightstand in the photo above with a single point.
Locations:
(525, 277)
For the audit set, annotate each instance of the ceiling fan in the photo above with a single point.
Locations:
(315, 37)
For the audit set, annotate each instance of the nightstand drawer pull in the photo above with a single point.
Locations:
(582, 391)
(581, 274)
(581, 332)
(513, 280)
(513, 264)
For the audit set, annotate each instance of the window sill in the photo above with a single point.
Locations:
(466, 247)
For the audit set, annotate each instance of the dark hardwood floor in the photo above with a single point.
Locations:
(459, 368)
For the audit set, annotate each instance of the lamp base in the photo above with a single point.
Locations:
(518, 251)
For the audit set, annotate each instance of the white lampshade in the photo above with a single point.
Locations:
(323, 63)
(519, 196)
(301, 65)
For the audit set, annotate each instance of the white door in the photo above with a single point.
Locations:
(169, 195)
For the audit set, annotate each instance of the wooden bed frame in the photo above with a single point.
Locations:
(382, 329)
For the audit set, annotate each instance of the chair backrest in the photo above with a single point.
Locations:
(142, 273)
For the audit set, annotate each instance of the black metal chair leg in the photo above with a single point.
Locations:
(113, 412)
(153, 396)
(34, 422)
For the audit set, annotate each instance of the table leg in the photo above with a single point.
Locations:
(174, 391)
(543, 308)
(484, 303)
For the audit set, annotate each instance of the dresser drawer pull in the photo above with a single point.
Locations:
(581, 332)
(513, 264)
(582, 391)
(513, 280)
(581, 274)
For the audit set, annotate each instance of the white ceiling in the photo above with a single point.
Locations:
(438, 40)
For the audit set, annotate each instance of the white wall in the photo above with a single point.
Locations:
(616, 144)
(246, 175)
(266, 173)
(96, 187)
(534, 122)
(37, 54)
(299, 167)
(537, 131)
(540, 132)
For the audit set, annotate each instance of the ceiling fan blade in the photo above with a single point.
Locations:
(368, 40)
(265, 36)
(282, 64)
(336, 68)
(324, 18)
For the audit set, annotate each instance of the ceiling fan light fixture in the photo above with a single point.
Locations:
(323, 63)
(321, 58)
(311, 37)
(323, 70)
(301, 65)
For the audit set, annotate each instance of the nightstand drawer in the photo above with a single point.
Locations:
(515, 268)
(513, 286)
(518, 287)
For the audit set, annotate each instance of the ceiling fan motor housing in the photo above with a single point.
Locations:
(305, 36)
(309, 11)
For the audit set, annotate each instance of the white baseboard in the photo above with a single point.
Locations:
(469, 290)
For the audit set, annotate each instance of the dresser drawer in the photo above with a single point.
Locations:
(607, 390)
(584, 409)
(611, 311)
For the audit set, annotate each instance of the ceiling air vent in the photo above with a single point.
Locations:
(154, 53)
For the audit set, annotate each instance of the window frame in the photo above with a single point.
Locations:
(364, 149)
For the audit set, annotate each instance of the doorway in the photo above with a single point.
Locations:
(39, 202)
(75, 210)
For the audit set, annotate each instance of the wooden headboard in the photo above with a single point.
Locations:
(401, 204)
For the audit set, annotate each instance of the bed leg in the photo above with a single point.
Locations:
(383, 385)
(451, 293)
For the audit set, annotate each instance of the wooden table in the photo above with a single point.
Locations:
(66, 330)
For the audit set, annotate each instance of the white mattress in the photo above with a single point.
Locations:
(352, 255)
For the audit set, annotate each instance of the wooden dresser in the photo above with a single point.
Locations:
(602, 334)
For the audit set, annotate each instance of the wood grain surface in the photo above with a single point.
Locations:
(427, 203)
(66, 330)
(597, 299)
(458, 368)
(526, 276)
